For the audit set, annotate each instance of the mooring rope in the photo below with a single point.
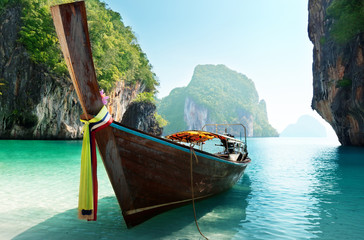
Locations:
(192, 191)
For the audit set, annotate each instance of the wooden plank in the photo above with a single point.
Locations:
(70, 22)
(160, 178)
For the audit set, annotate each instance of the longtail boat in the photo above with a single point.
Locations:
(149, 174)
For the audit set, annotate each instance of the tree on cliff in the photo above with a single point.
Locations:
(348, 18)
(116, 53)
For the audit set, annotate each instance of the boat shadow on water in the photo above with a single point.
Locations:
(218, 218)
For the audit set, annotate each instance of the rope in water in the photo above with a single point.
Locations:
(192, 191)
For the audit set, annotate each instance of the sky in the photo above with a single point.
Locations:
(263, 39)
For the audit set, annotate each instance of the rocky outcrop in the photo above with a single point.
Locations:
(36, 104)
(195, 116)
(216, 95)
(121, 97)
(141, 115)
(338, 77)
(248, 119)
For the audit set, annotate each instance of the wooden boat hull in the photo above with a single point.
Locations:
(158, 174)
(149, 174)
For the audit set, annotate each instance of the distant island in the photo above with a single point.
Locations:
(216, 94)
(306, 126)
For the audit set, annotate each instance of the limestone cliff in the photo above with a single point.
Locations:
(338, 76)
(216, 94)
(195, 116)
(36, 104)
(140, 115)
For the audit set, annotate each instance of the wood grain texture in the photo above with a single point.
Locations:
(71, 26)
(159, 175)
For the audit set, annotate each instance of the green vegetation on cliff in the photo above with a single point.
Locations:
(117, 55)
(171, 108)
(228, 97)
(348, 19)
(1, 84)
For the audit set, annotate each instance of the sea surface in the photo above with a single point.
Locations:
(294, 188)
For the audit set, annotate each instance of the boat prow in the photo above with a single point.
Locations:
(149, 174)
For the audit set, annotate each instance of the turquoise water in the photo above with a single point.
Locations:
(293, 189)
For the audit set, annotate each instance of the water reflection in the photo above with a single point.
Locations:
(286, 175)
(39, 190)
(340, 194)
(218, 218)
(304, 189)
(293, 189)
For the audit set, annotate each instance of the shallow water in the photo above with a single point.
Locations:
(293, 189)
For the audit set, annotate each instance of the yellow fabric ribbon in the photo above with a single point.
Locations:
(85, 197)
(87, 201)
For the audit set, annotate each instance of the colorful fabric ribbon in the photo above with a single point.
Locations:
(87, 201)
